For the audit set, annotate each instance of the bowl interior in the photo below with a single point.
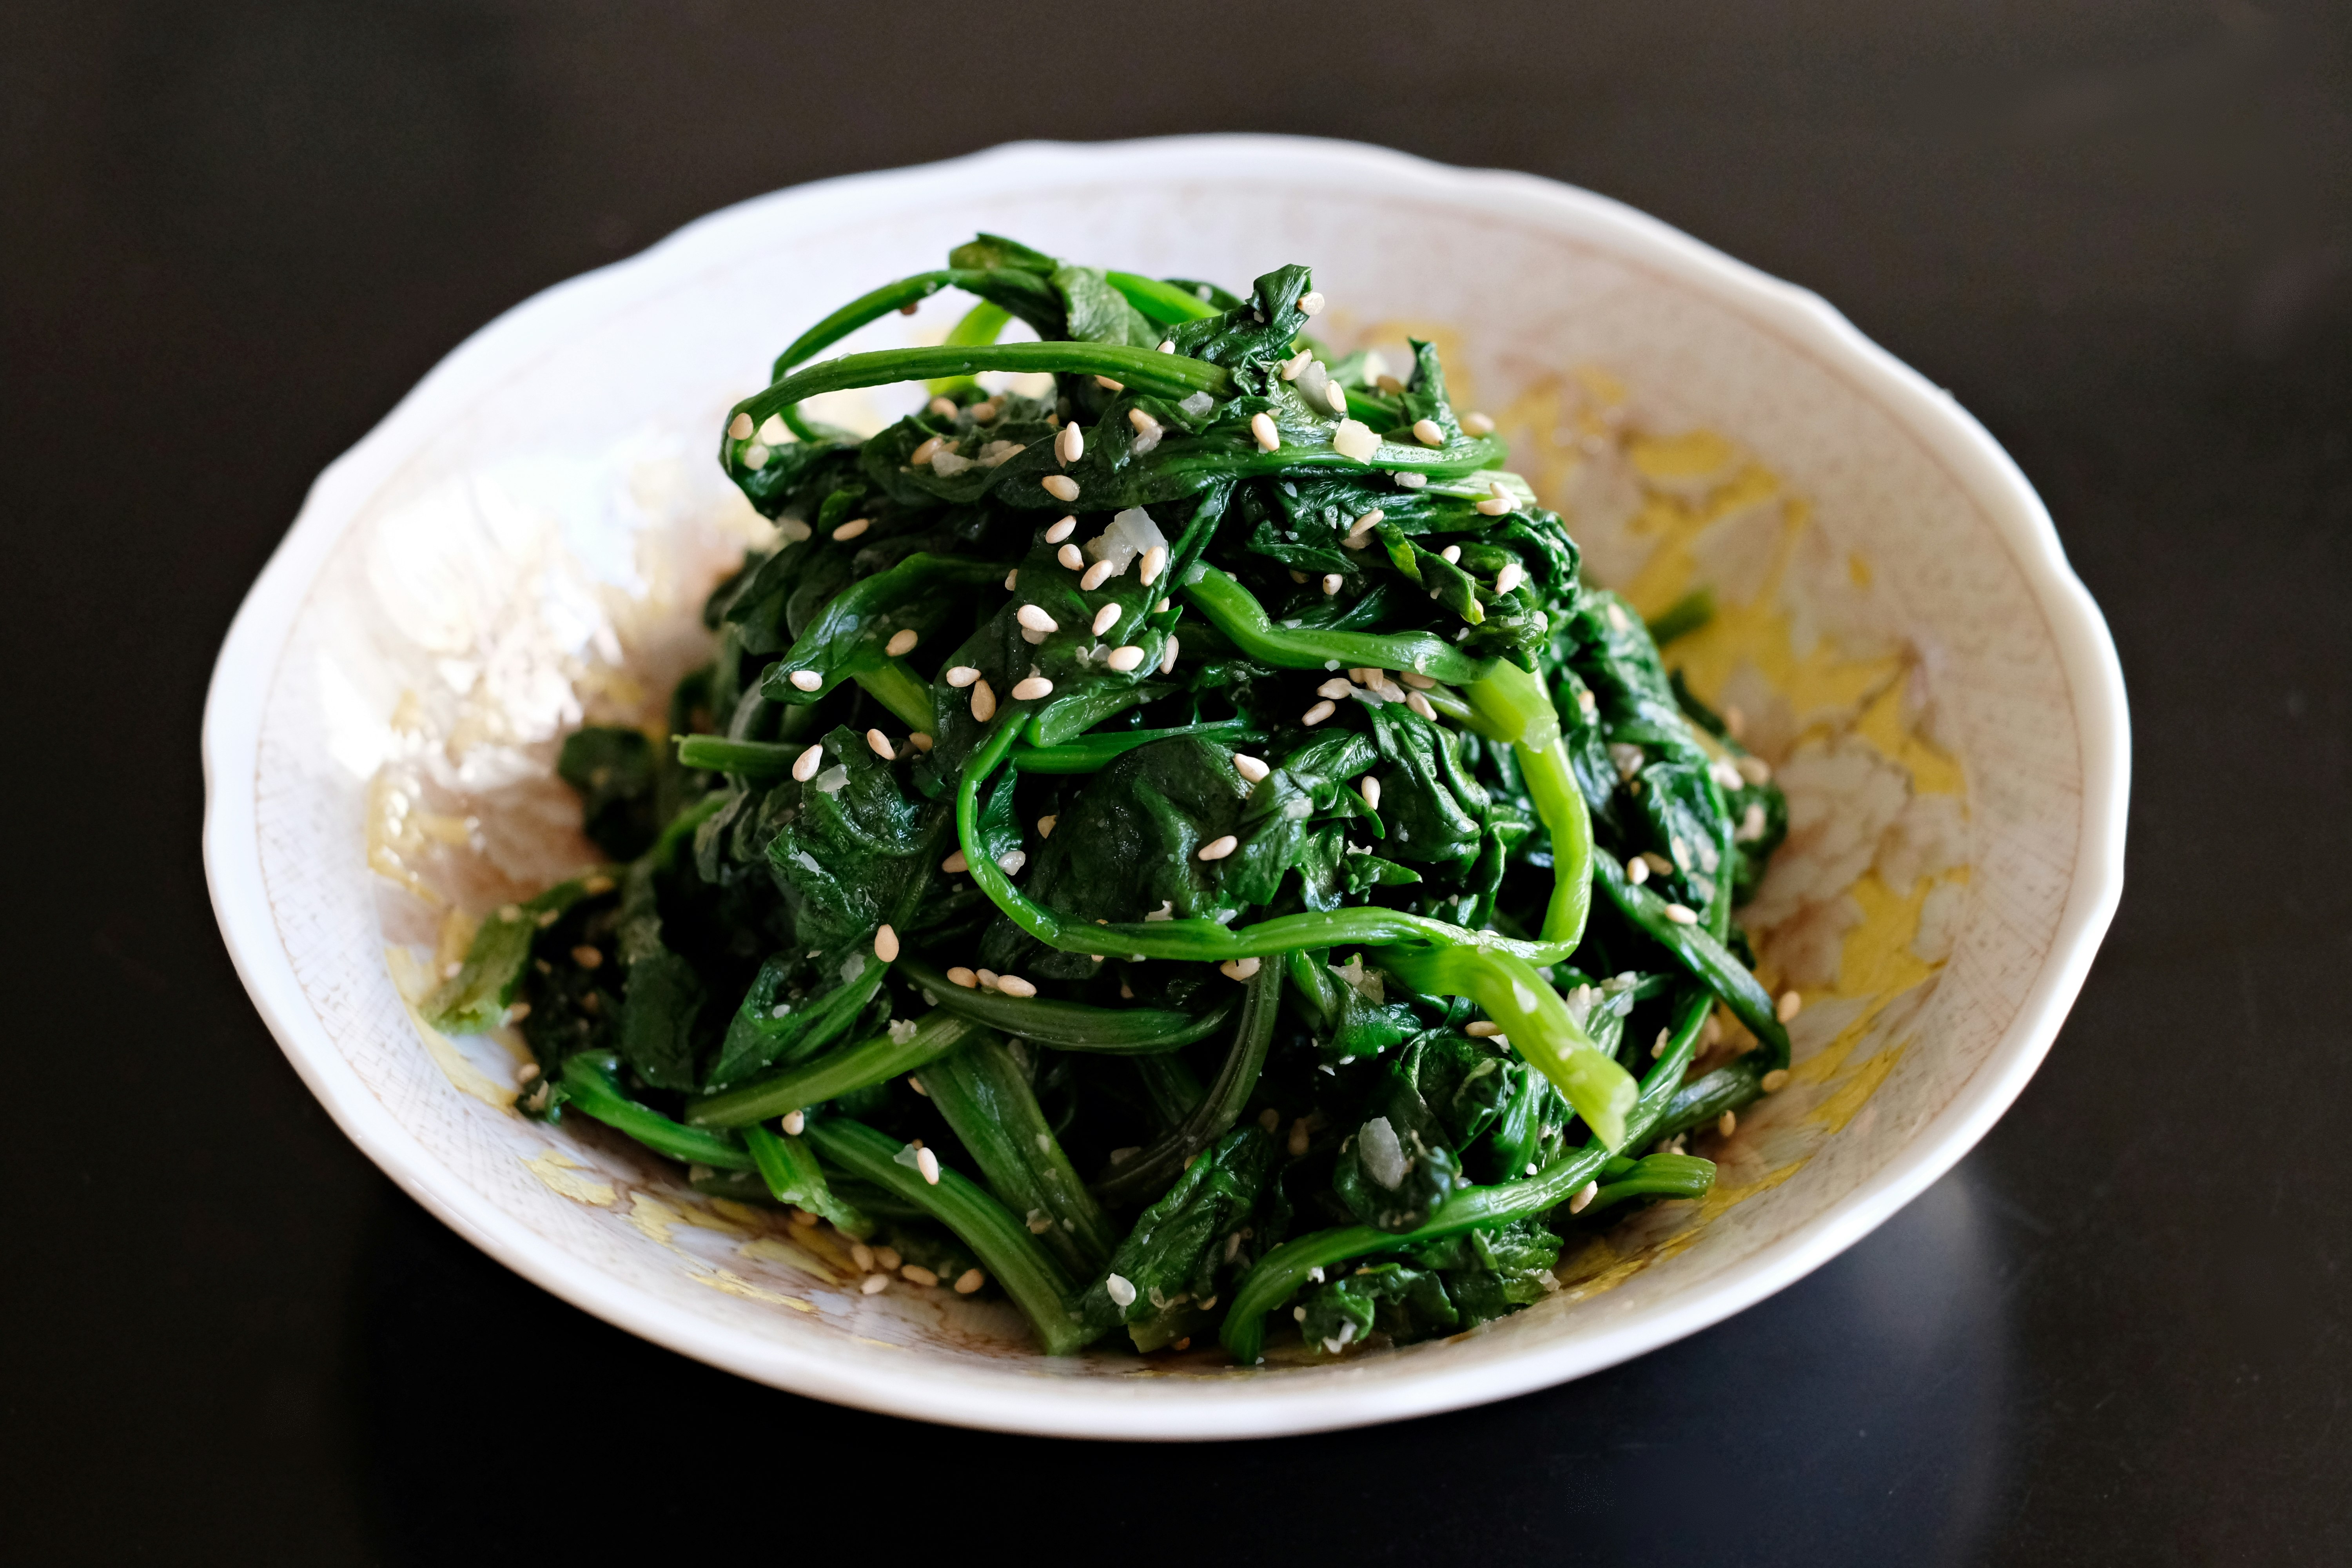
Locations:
(528, 539)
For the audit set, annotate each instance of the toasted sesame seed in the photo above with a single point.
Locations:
(805, 765)
(929, 1164)
(960, 975)
(739, 428)
(875, 1284)
(1584, 1196)
(1727, 1123)
(1061, 487)
(915, 1273)
(902, 641)
(1658, 864)
(1262, 430)
(881, 744)
(1788, 1006)
(1096, 576)
(1477, 425)
(1032, 688)
(795, 1123)
(862, 1255)
(806, 679)
(1250, 767)
(1482, 1029)
(1317, 714)
(1336, 396)
(1422, 705)
(1429, 432)
(1217, 849)
(1637, 870)
(1070, 559)
(587, 957)
(1509, 577)
(1682, 914)
(1036, 620)
(962, 676)
(1155, 561)
(888, 1257)
(970, 1280)
(920, 739)
(1014, 985)
(1658, 1045)
(985, 411)
(756, 455)
(1046, 825)
(925, 452)
(1332, 583)
(1124, 659)
(596, 886)
(1367, 522)
(1755, 770)
(1299, 1138)
(1735, 720)
(1168, 345)
(1070, 445)
(1107, 384)
(984, 701)
(1241, 968)
(1450, 554)
(886, 944)
(1061, 531)
(1144, 423)
(942, 407)
(1120, 1291)
(1335, 689)
(1106, 618)
(1496, 505)
(1012, 579)
(1168, 656)
(853, 528)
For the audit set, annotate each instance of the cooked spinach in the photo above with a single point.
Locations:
(1136, 845)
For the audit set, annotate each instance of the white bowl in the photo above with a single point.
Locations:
(531, 528)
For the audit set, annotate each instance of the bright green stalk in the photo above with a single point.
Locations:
(1163, 303)
(1071, 1025)
(592, 1085)
(788, 1166)
(1002, 1243)
(1234, 611)
(982, 1092)
(877, 1060)
(1151, 1170)
(896, 688)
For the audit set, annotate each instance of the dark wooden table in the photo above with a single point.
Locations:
(232, 233)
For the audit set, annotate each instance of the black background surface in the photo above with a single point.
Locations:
(232, 235)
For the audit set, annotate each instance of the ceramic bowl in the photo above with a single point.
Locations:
(526, 539)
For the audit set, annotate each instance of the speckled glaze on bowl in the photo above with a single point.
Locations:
(527, 533)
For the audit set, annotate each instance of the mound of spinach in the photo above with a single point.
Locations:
(1247, 957)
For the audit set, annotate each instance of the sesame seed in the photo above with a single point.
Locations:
(1509, 577)
(1096, 576)
(1168, 656)
(1036, 620)
(1106, 618)
(1420, 705)
(1584, 1196)
(1070, 559)
(1144, 423)
(970, 1280)
(962, 676)
(1161, 608)
(1263, 431)
(1032, 688)
(984, 701)
(1735, 720)
(1658, 864)
(1107, 384)
(1155, 561)
(960, 975)
(1417, 680)
(1061, 531)
(587, 957)
(925, 452)
(1726, 775)
(805, 765)
(1299, 1138)
(1616, 615)
(1336, 396)
(1483, 1029)
(1168, 345)
(853, 528)
(929, 1164)
(1497, 504)
(881, 744)
(1012, 578)
(1335, 689)
(1241, 968)
(985, 411)
(1219, 847)
(1727, 1123)
(1122, 1292)
(1014, 985)
(886, 944)
(1367, 522)
(888, 1257)
(862, 1255)
(1775, 1080)
(1637, 870)
(1429, 432)
(915, 1273)
(1450, 554)
(1070, 445)
(1061, 487)
(806, 679)
(1755, 770)
(1332, 583)
(943, 407)
(1311, 303)
(795, 1123)
(902, 641)
(1658, 1045)
(875, 1284)
(1477, 425)
(1250, 767)
(1046, 825)
(595, 886)
(1124, 659)
(1317, 714)
(1682, 914)
(1787, 1007)
(1411, 481)
(1269, 1119)
(739, 427)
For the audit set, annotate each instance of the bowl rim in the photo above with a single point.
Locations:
(1165, 1408)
